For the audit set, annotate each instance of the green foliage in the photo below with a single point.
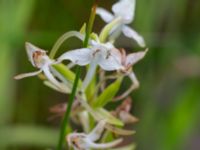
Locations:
(83, 29)
(107, 95)
(104, 114)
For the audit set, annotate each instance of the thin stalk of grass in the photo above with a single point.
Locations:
(78, 72)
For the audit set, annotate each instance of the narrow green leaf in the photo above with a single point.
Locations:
(83, 29)
(104, 114)
(108, 94)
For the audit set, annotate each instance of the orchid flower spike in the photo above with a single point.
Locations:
(125, 11)
(82, 141)
(40, 60)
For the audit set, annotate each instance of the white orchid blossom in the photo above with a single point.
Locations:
(40, 60)
(125, 10)
(82, 141)
(104, 55)
(127, 62)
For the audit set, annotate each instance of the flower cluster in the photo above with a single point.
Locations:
(106, 67)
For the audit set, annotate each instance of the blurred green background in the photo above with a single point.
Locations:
(167, 103)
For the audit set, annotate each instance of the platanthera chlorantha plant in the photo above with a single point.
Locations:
(105, 67)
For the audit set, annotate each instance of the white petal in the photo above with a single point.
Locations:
(30, 49)
(115, 32)
(133, 86)
(51, 78)
(90, 74)
(133, 58)
(60, 77)
(125, 9)
(104, 14)
(81, 56)
(103, 145)
(97, 131)
(134, 35)
(134, 79)
(24, 75)
(112, 61)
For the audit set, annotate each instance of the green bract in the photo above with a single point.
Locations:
(108, 94)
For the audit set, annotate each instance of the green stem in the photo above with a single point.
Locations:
(75, 85)
(67, 113)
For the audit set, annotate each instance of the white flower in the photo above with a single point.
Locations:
(105, 55)
(127, 62)
(125, 10)
(40, 60)
(82, 141)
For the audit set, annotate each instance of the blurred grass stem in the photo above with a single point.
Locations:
(78, 72)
